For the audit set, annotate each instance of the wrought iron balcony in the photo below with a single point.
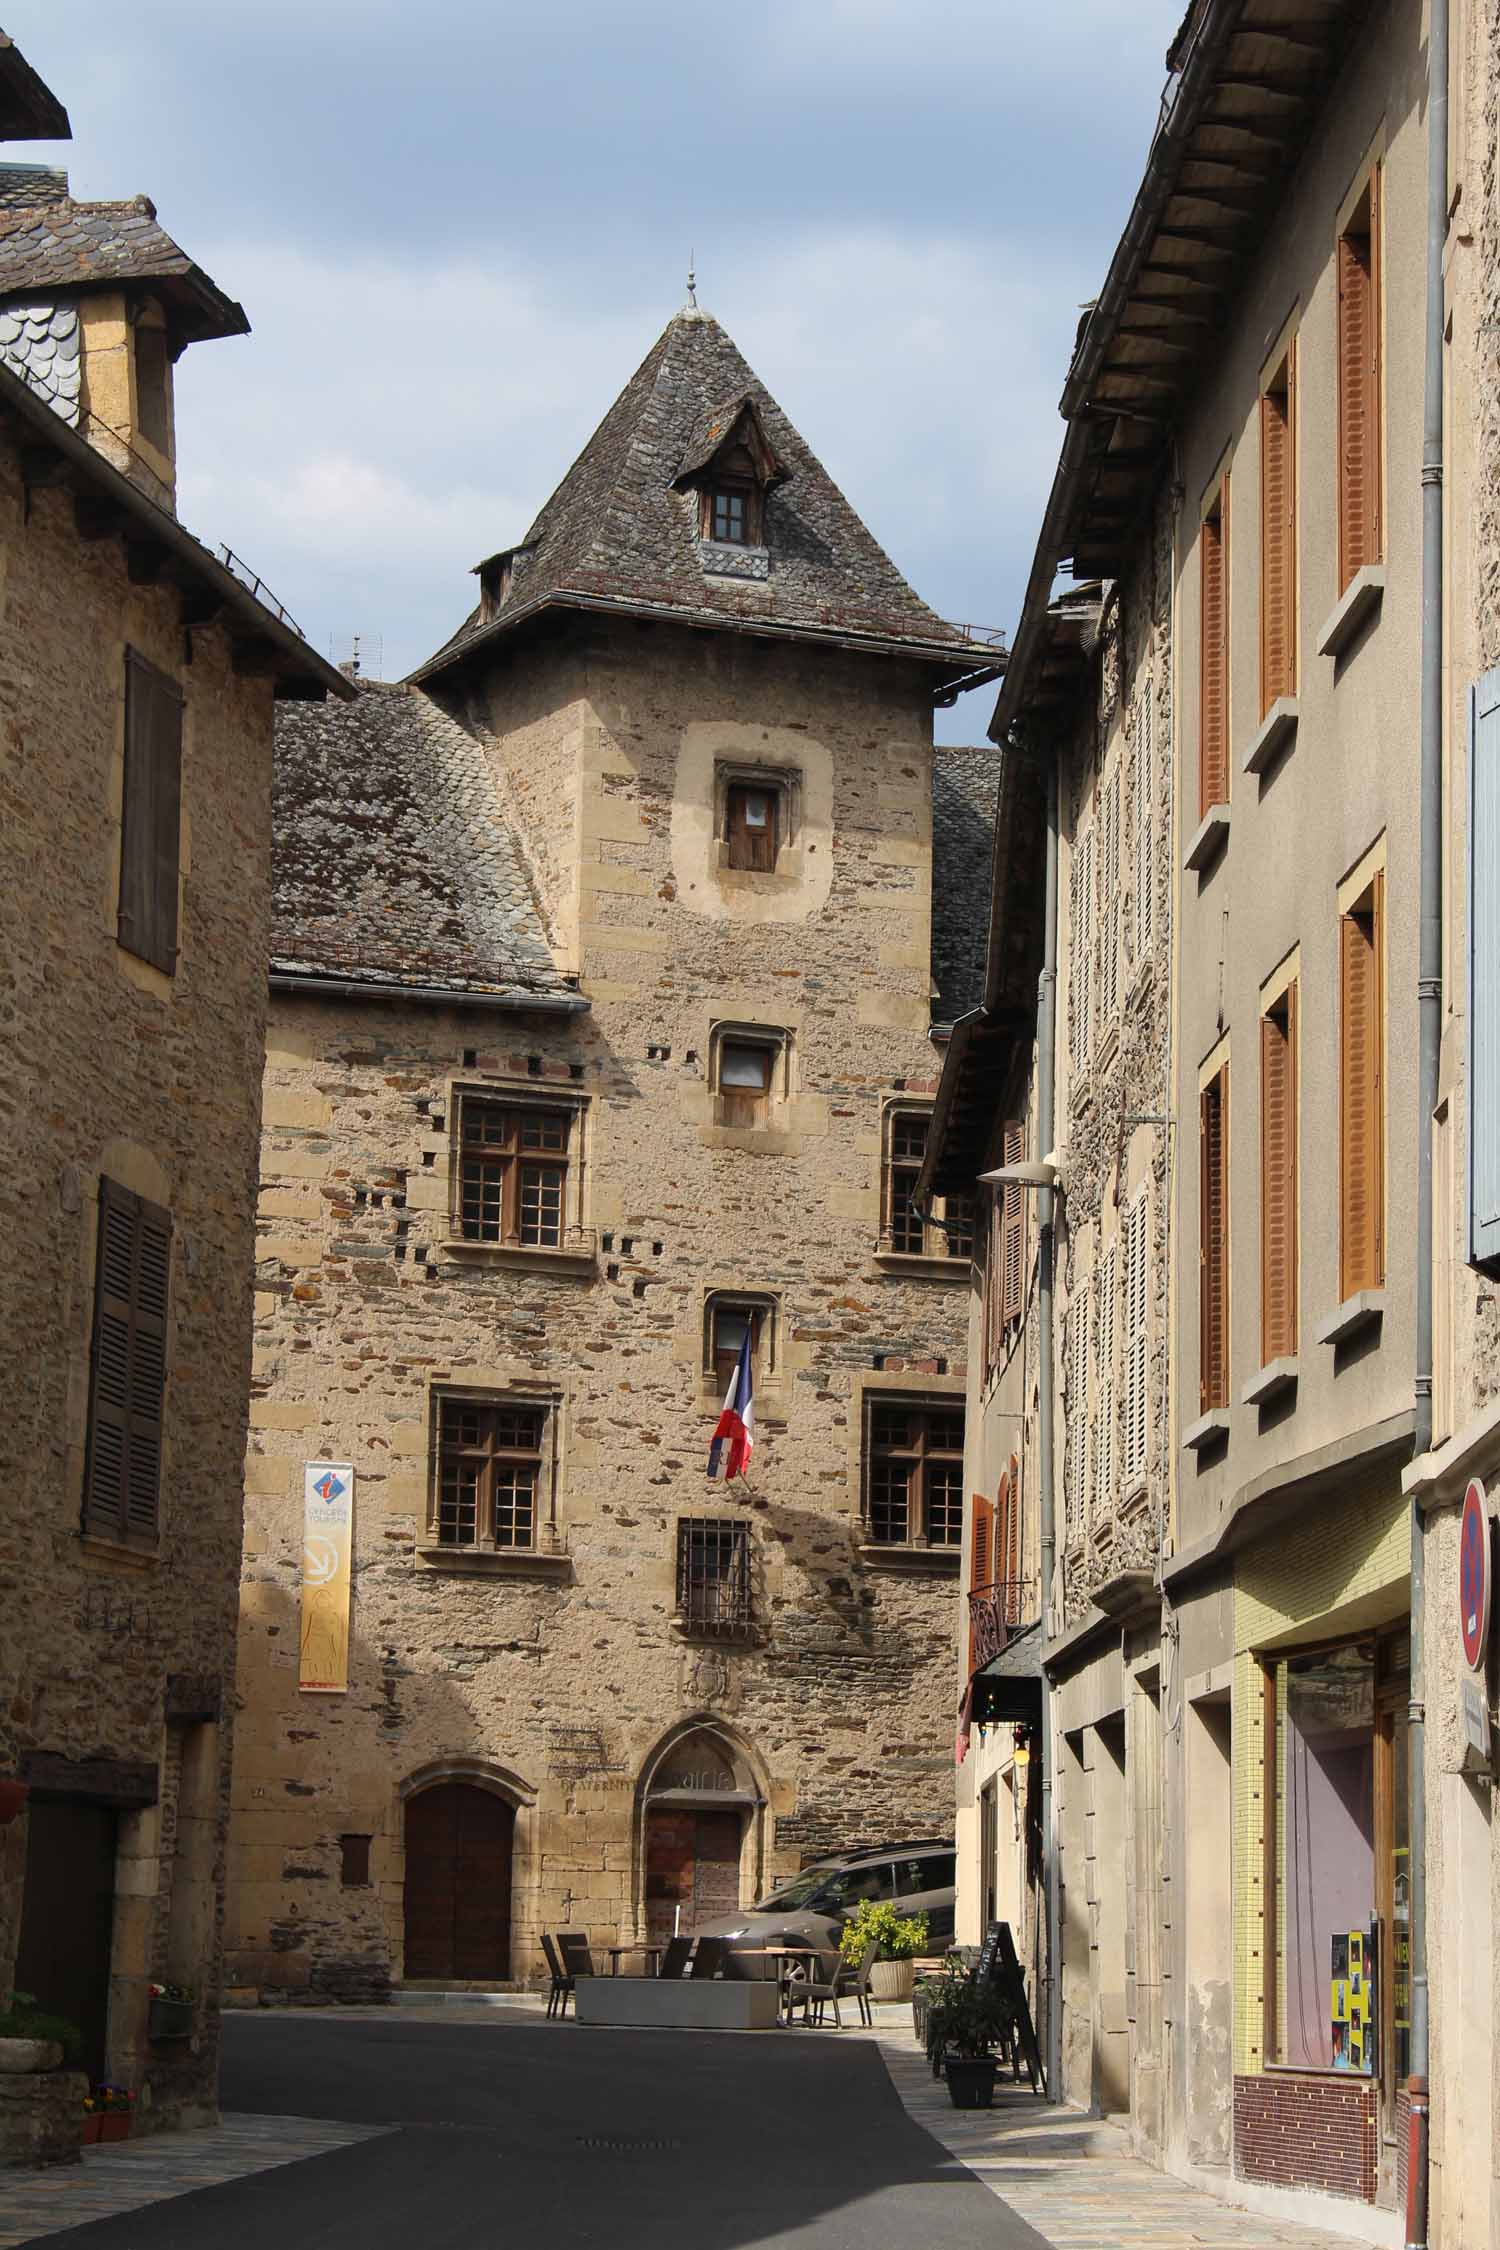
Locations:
(995, 1613)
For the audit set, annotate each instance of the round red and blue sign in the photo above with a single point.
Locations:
(1474, 1576)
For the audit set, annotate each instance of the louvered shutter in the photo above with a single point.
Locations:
(1145, 826)
(122, 1470)
(1013, 1230)
(1213, 1263)
(1213, 705)
(1104, 1393)
(1278, 1182)
(1137, 1256)
(1358, 351)
(982, 1544)
(151, 814)
(1277, 545)
(1078, 1402)
(1082, 951)
(1484, 969)
(1361, 1155)
(1109, 994)
(1009, 1535)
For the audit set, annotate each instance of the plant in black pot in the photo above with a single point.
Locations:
(967, 2024)
(170, 2015)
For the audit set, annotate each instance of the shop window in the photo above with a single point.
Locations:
(914, 1475)
(1337, 1859)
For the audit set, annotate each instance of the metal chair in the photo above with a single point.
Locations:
(820, 1989)
(674, 1960)
(574, 1948)
(708, 1957)
(562, 1983)
(859, 1984)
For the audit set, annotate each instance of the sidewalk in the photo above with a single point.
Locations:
(1070, 2177)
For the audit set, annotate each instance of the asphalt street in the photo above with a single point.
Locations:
(520, 2132)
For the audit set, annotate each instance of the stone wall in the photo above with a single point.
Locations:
(113, 1069)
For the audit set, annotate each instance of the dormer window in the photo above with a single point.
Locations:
(731, 465)
(494, 585)
(731, 500)
(731, 517)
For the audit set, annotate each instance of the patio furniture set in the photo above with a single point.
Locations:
(705, 1983)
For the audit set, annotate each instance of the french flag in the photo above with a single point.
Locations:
(734, 1439)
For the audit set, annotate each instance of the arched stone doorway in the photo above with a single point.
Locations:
(460, 1841)
(700, 1810)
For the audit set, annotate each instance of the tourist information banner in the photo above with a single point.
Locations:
(327, 1526)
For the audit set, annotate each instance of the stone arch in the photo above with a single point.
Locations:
(483, 1773)
(444, 1835)
(724, 1781)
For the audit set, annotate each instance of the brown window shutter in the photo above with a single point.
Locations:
(1213, 1225)
(122, 1472)
(151, 814)
(1278, 1181)
(1011, 1530)
(1278, 543)
(1013, 1230)
(982, 1545)
(1361, 1123)
(1358, 351)
(1213, 726)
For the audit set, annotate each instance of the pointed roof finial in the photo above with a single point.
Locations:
(692, 303)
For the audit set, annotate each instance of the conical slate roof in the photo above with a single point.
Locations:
(620, 529)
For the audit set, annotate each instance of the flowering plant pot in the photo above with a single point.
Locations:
(892, 1980)
(114, 2125)
(971, 2081)
(169, 2019)
(91, 2124)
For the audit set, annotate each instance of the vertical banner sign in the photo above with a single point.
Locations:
(327, 1524)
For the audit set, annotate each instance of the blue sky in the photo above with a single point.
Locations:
(457, 230)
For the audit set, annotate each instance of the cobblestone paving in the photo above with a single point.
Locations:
(125, 2175)
(1070, 2177)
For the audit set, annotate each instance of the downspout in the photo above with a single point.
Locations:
(1429, 1009)
(1046, 1034)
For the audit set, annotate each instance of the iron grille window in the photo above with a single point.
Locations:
(489, 1473)
(916, 1473)
(512, 1174)
(713, 1576)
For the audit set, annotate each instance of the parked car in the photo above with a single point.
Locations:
(917, 1876)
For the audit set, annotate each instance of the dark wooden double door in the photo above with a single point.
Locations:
(67, 1915)
(459, 1842)
(692, 1868)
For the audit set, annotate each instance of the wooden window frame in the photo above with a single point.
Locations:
(1213, 651)
(128, 1370)
(1280, 1175)
(921, 1458)
(748, 1108)
(718, 1362)
(749, 850)
(1360, 437)
(491, 1207)
(151, 815)
(1214, 1360)
(493, 1454)
(1362, 1094)
(1278, 532)
(947, 1232)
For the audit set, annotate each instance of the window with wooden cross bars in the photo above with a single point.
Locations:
(1361, 531)
(489, 1471)
(948, 1230)
(512, 1172)
(914, 1474)
(128, 1370)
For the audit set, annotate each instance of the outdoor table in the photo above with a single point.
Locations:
(653, 1954)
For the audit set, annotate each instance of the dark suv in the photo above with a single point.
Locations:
(811, 1908)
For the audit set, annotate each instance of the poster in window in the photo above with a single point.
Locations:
(327, 1525)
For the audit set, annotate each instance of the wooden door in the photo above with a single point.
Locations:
(716, 1865)
(66, 1916)
(692, 1869)
(457, 1894)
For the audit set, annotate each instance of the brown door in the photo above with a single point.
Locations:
(692, 1864)
(458, 1852)
(66, 1916)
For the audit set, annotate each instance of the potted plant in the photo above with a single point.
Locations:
(107, 2113)
(901, 1938)
(42, 2108)
(170, 2015)
(967, 2023)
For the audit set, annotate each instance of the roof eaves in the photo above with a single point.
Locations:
(29, 110)
(295, 976)
(292, 663)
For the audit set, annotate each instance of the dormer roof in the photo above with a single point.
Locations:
(621, 532)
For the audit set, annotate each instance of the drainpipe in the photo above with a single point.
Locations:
(1429, 1008)
(1046, 1034)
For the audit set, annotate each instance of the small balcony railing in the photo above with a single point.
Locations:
(995, 1613)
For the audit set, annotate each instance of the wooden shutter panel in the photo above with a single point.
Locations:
(151, 814)
(1278, 545)
(1109, 973)
(1213, 721)
(1358, 352)
(1078, 1405)
(1278, 1181)
(1012, 1230)
(1361, 1153)
(1213, 1246)
(1104, 1410)
(1137, 1314)
(1484, 969)
(127, 1387)
(1145, 817)
(982, 1544)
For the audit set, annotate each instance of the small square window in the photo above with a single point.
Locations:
(354, 1862)
(731, 516)
(753, 825)
(713, 1577)
(745, 1076)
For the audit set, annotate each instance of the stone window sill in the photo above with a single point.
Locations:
(1276, 732)
(1276, 1376)
(579, 1258)
(1363, 595)
(1210, 1430)
(495, 1562)
(1362, 1310)
(136, 1554)
(881, 1554)
(899, 1263)
(1207, 840)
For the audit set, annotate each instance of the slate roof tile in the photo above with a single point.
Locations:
(616, 528)
(393, 861)
(64, 244)
(965, 788)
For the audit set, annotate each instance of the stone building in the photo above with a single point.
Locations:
(604, 1031)
(137, 679)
